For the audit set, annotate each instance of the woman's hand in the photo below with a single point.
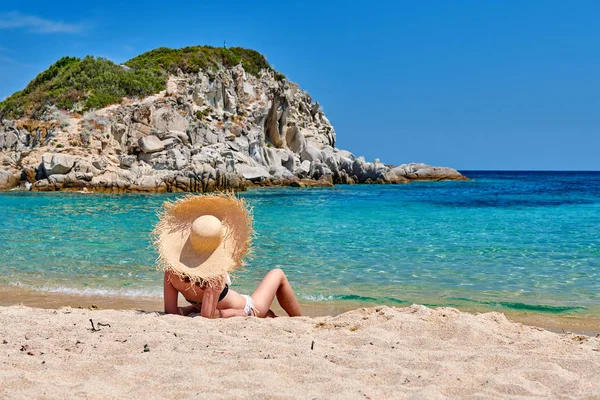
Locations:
(210, 300)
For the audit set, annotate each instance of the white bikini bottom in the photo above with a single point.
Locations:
(249, 308)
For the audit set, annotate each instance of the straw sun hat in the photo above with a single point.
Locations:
(204, 237)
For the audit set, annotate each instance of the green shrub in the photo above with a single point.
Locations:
(200, 114)
(279, 76)
(97, 82)
(195, 58)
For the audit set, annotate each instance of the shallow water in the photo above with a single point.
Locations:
(503, 241)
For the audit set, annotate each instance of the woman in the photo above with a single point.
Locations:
(200, 240)
(221, 302)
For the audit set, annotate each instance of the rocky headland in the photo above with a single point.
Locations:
(196, 119)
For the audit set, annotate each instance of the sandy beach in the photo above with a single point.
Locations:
(381, 352)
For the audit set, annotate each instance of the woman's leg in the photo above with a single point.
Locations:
(274, 284)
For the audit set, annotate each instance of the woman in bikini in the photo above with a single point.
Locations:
(200, 239)
(222, 302)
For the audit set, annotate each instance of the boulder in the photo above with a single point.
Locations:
(359, 168)
(346, 154)
(256, 151)
(11, 141)
(311, 153)
(83, 176)
(332, 163)
(233, 146)
(249, 90)
(147, 183)
(207, 155)
(399, 171)
(170, 142)
(251, 173)
(346, 165)
(239, 158)
(55, 163)
(180, 135)
(166, 119)
(11, 159)
(57, 179)
(303, 168)
(205, 171)
(29, 174)
(151, 144)
(119, 131)
(296, 141)
(100, 163)
(413, 167)
(157, 161)
(84, 166)
(229, 101)
(8, 180)
(203, 136)
(429, 173)
(178, 159)
(126, 161)
(43, 186)
(280, 172)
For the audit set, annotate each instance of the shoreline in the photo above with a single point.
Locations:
(14, 296)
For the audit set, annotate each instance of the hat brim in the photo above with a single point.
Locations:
(172, 232)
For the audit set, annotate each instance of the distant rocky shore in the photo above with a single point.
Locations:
(211, 130)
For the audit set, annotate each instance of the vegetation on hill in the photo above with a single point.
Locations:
(80, 84)
(92, 82)
(195, 58)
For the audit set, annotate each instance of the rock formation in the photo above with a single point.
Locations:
(215, 129)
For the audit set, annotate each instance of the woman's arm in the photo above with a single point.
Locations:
(170, 296)
(209, 302)
(231, 312)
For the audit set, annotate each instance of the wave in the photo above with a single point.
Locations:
(541, 308)
(87, 291)
(353, 298)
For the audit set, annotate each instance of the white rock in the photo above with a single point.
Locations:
(166, 119)
(311, 153)
(249, 89)
(304, 167)
(280, 172)
(180, 135)
(251, 173)
(151, 144)
(57, 163)
(127, 160)
(8, 179)
(346, 154)
(296, 141)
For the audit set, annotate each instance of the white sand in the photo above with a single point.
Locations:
(369, 353)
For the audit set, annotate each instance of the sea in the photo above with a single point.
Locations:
(524, 241)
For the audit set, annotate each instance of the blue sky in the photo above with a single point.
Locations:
(472, 84)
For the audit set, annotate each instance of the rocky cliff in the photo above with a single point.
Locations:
(218, 127)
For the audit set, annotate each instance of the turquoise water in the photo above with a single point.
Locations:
(527, 241)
